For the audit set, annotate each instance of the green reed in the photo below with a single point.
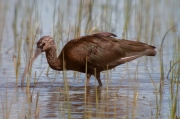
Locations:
(18, 63)
(89, 19)
(66, 89)
(174, 82)
(3, 8)
(127, 17)
(6, 104)
(37, 110)
(156, 94)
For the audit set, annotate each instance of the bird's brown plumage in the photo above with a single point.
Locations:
(99, 51)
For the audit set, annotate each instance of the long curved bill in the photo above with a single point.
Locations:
(36, 54)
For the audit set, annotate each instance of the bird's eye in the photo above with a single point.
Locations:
(41, 45)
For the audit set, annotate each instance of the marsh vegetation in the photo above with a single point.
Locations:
(144, 88)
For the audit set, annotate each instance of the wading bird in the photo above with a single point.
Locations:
(91, 54)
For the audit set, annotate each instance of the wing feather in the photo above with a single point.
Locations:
(100, 49)
(103, 49)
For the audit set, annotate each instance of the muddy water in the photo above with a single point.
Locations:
(127, 91)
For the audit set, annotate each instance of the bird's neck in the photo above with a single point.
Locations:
(53, 61)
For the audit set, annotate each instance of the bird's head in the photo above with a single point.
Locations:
(44, 43)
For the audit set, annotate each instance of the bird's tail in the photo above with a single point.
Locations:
(134, 50)
(135, 47)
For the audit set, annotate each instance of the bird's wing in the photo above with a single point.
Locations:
(98, 50)
(102, 49)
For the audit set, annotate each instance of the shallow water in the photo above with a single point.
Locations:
(118, 101)
(127, 91)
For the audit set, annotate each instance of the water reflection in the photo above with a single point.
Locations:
(95, 102)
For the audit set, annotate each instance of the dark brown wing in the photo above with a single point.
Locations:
(103, 49)
(133, 50)
(100, 49)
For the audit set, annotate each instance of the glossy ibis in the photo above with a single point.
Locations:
(97, 52)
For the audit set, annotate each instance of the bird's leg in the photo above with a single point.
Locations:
(98, 78)
(88, 78)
